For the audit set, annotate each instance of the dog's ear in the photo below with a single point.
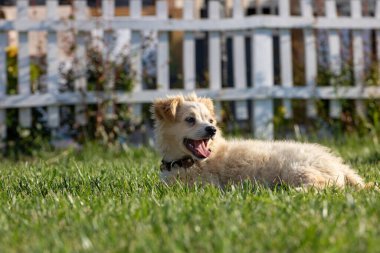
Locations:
(166, 109)
(209, 104)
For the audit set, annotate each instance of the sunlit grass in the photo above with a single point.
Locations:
(101, 200)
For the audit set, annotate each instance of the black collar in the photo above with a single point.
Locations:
(185, 163)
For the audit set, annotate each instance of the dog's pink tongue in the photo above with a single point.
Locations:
(200, 147)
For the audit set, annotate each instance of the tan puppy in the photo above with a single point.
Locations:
(194, 150)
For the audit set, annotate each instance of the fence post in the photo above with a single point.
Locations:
(377, 15)
(239, 64)
(3, 82)
(189, 48)
(335, 62)
(263, 77)
(358, 52)
(135, 7)
(286, 56)
(52, 64)
(108, 11)
(310, 58)
(163, 49)
(214, 55)
(81, 58)
(25, 114)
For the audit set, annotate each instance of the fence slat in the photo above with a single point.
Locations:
(358, 53)
(135, 7)
(377, 15)
(310, 57)
(189, 49)
(286, 57)
(52, 66)
(239, 64)
(81, 62)
(3, 82)
(108, 11)
(25, 114)
(334, 55)
(263, 77)
(378, 49)
(163, 49)
(214, 54)
(214, 49)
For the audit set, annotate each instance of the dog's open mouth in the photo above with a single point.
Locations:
(198, 147)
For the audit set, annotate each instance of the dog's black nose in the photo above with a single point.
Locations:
(211, 130)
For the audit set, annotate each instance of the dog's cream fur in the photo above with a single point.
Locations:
(267, 162)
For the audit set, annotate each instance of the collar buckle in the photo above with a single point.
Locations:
(185, 163)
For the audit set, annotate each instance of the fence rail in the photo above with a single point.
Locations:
(226, 94)
(259, 28)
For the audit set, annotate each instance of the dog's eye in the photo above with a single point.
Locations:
(190, 120)
(211, 121)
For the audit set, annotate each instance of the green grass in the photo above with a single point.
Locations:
(107, 201)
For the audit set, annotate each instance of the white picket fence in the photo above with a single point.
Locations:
(259, 27)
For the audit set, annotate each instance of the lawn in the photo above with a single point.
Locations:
(102, 200)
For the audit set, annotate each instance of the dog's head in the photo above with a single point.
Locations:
(184, 126)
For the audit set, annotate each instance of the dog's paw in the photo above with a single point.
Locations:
(372, 186)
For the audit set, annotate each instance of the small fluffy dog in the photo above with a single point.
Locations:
(194, 151)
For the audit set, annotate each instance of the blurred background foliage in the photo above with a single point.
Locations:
(110, 130)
